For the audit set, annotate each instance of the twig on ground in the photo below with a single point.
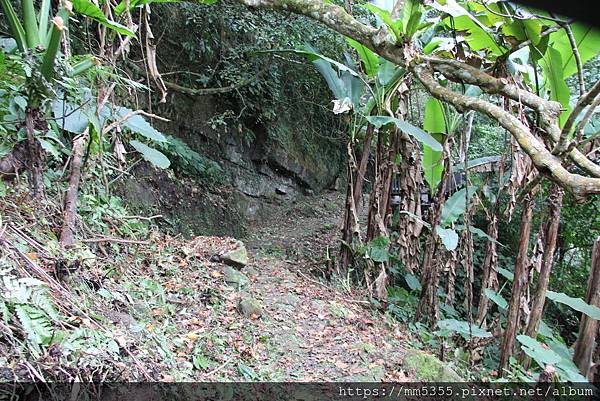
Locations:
(158, 216)
(119, 240)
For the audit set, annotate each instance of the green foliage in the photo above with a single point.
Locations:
(190, 162)
(461, 327)
(416, 132)
(377, 249)
(411, 17)
(586, 38)
(370, 61)
(448, 236)
(456, 205)
(552, 66)
(89, 9)
(554, 353)
(576, 303)
(28, 300)
(434, 123)
(386, 17)
(152, 155)
(496, 298)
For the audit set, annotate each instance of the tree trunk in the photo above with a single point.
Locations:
(519, 282)
(349, 227)
(379, 212)
(379, 200)
(409, 226)
(362, 167)
(70, 211)
(588, 327)
(35, 153)
(490, 268)
(354, 190)
(556, 200)
(430, 278)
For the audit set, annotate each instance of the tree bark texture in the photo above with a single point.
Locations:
(588, 327)
(520, 280)
(70, 209)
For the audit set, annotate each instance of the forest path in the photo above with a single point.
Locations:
(309, 330)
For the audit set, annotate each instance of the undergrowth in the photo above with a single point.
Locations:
(124, 304)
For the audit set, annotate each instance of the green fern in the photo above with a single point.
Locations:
(41, 299)
(35, 322)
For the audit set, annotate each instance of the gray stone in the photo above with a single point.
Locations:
(291, 299)
(249, 307)
(237, 257)
(234, 277)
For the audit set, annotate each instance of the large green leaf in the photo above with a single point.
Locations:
(576, 303)
(416, 132)
(463, 328)
(152, 155)
(496, 298)
(413, 282)
(334, 82)
(75, 118)
(507, 274)
(448, 236)
(456, 205)
(434, 123)
(387, 73)
(120, 8)
(378, 249)
(386, 18)
(527, 29)
(370, 60)
(411, 17)
(479, 36)
(89, 9)
(588, 46)
(139, 125)
(554, 80)
(536, 350)
(433, 167)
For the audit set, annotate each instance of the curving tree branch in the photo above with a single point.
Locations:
(382, 42)
(542, 158)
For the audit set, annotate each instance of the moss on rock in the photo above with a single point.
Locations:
(429, 368)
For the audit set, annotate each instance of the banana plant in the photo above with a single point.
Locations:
(39, 35)
(38, 32)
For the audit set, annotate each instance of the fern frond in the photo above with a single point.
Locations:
(35, 323)
(41, 299)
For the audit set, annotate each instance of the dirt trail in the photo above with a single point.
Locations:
(312, 331)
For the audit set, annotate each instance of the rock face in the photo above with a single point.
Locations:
(237, 257)
(250, 307)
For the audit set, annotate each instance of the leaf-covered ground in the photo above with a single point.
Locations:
(167, 309)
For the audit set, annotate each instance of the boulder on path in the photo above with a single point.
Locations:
(250, 307)
(236, 257)
(234, 277)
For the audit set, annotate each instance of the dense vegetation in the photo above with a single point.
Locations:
(469, 135)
